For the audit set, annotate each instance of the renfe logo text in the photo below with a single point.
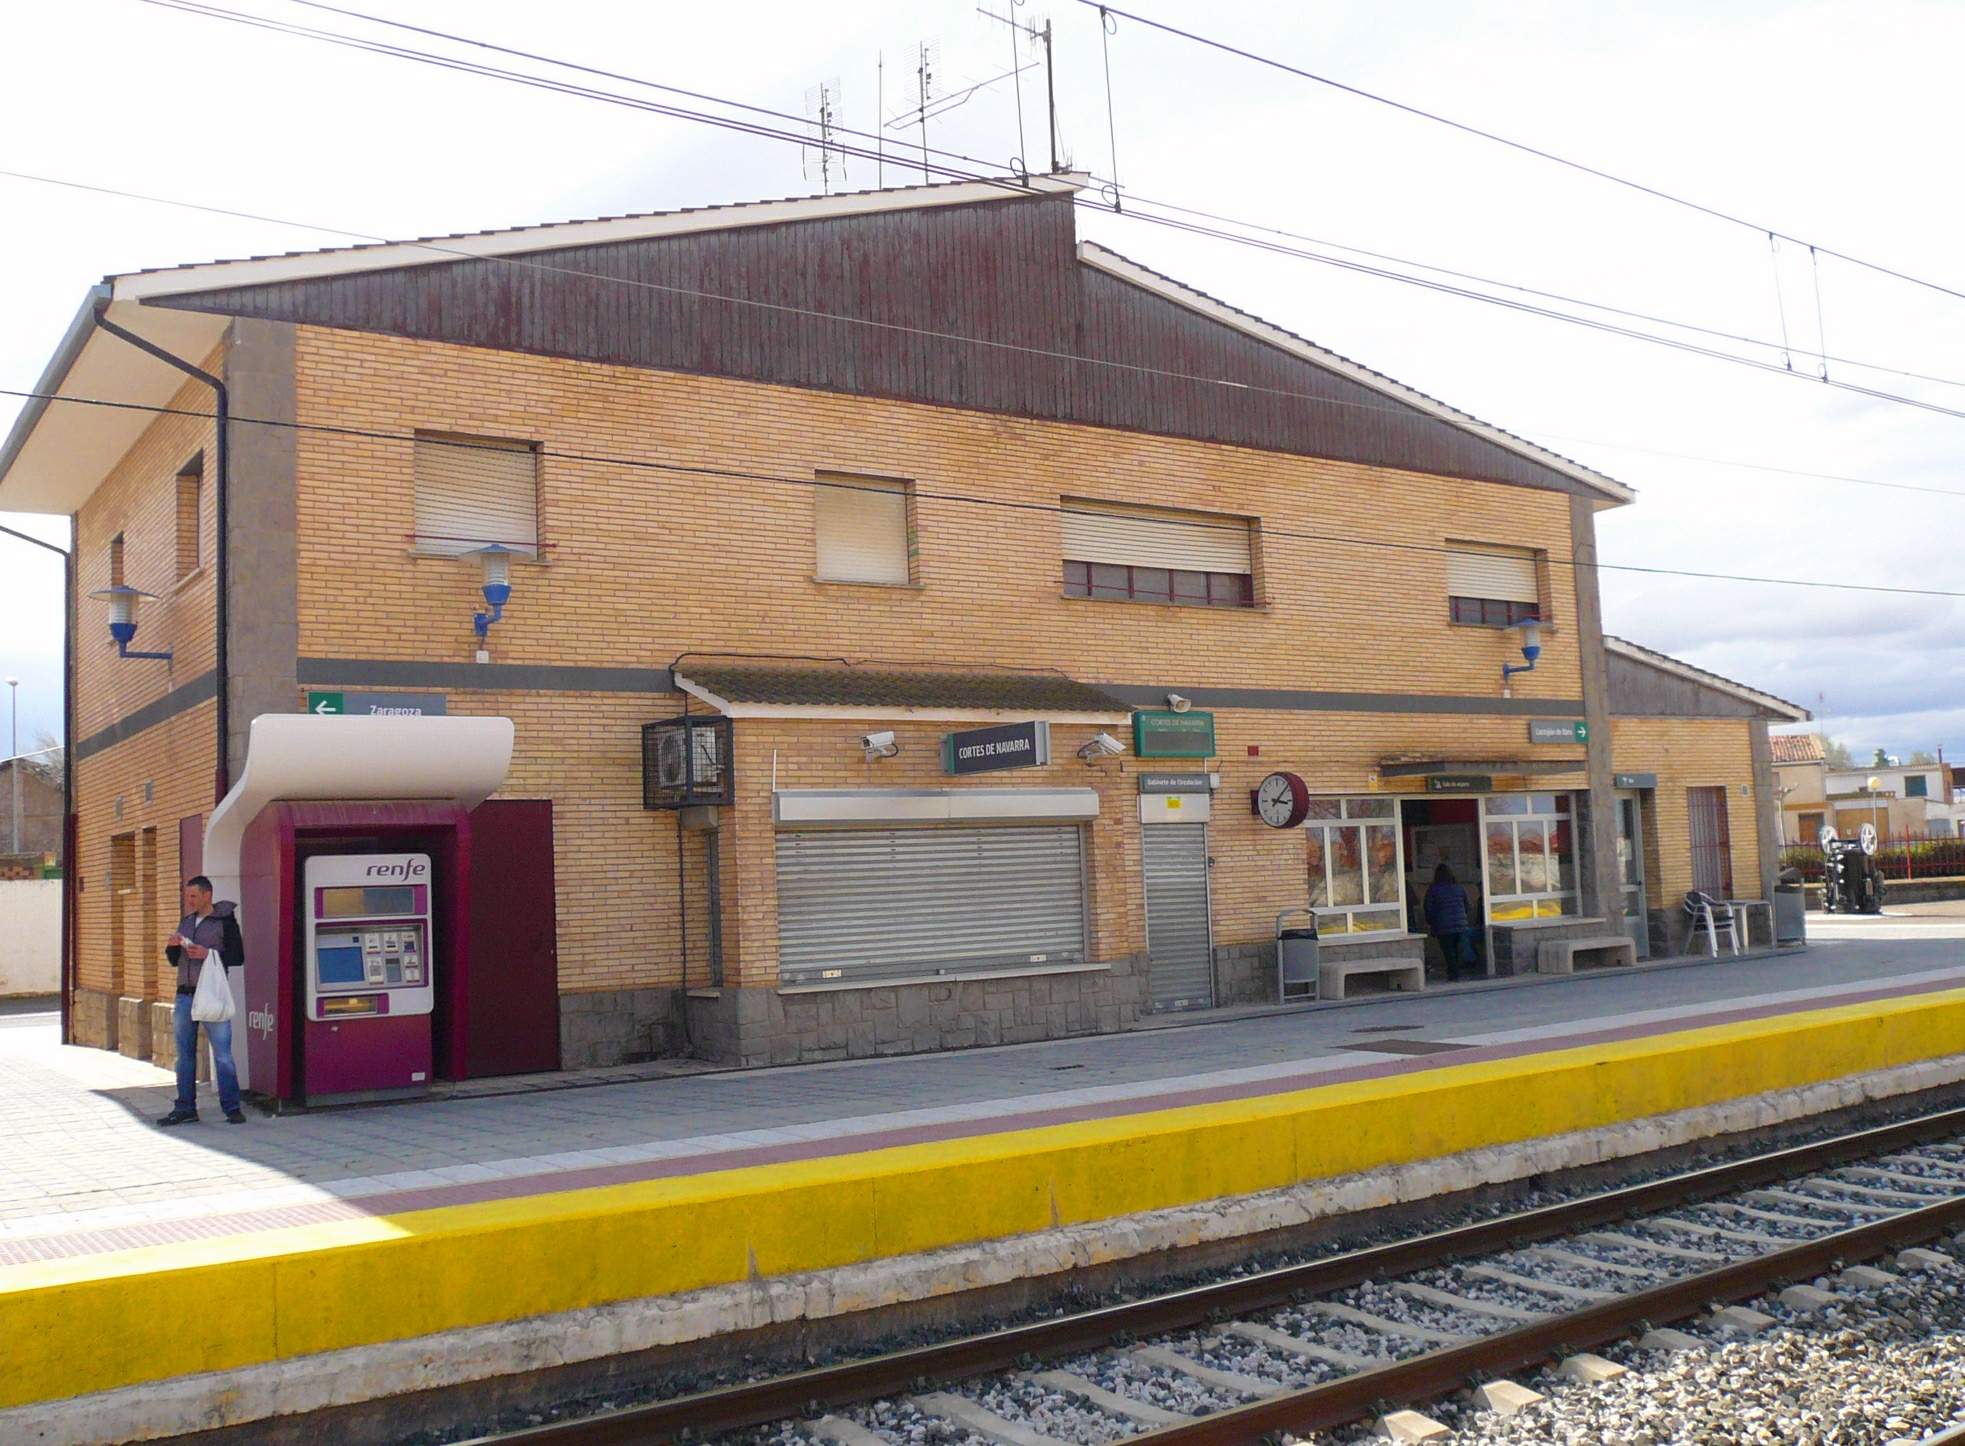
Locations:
(404, 869)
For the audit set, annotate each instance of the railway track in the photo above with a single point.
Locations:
(1344, 1340)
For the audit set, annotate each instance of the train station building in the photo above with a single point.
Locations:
(916, 628)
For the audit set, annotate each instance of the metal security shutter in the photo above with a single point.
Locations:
(873, 904)
(862, 530)
(471, 491)
(1178, 941)
(1147, 537)
(1504, 574)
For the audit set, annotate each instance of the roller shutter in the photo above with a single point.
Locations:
(871, 904)
(1178, 942)
(1503, 574)
(471, 491)
(862, 530)
(1148, 537)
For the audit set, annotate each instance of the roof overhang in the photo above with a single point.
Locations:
(434, 250)
(1606, 491)
(59, 452)
(1779, 708)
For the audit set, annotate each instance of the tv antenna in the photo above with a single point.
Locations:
(822, 114)
(1029, 28)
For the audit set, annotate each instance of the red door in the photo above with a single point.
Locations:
(513, 1004)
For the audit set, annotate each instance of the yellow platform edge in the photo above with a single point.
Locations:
(95, 1323)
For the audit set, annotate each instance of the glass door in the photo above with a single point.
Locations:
(1630, 872)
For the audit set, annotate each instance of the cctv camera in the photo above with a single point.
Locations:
(1102, 745)
(879, 745)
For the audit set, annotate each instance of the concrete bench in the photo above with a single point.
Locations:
(1405, 972)
(1558, 956)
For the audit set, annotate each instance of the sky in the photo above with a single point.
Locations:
(1826, 122)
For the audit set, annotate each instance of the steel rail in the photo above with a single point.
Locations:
(756, 1403)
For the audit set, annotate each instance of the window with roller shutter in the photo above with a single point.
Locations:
(1142, 554)
(863, 530)
(1493, 587)
(474, 491)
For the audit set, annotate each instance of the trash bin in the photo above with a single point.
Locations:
(1791, 907)
(1296, 956)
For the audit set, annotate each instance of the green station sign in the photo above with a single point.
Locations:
(1163, 733)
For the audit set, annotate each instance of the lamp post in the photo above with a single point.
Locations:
(1874, 784)
(13, 768)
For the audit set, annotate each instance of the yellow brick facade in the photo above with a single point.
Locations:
(1690, 753)
(677, 517)
(131, 794)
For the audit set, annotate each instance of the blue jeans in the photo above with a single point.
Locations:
(220, 1035)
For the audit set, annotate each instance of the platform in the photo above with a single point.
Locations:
(336, 1231)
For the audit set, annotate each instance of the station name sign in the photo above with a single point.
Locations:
(1008, 745)
(1558, 730)
(1459, 783)
(1163, 733)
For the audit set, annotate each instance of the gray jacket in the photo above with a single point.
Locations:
(207, 933)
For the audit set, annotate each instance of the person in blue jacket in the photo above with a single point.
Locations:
(1446, 916)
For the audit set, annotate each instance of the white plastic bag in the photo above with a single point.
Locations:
(211, 1002)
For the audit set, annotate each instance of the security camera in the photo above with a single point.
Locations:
(1102, 745)
(879, 745)
(1179, 704)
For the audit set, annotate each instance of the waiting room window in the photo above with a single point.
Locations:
(190, 490)
(1531, 856)
(863, 530)
(473, 491)
(1355, 865)
(1916, 785)
(1141, 554)
(1493, 587)
(1712, 846)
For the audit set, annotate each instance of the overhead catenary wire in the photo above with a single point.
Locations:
(800, 137)
(921, 494)
(1657, 193)
(459, 252)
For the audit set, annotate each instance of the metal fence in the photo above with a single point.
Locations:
(1901, 856)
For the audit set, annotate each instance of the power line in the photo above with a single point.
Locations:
(964, 498)
(1049, 354)
(800, 138)
(1525, 148)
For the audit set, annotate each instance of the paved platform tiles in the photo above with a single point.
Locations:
(803, 1168)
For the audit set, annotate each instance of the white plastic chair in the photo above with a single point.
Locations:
(1704, 909)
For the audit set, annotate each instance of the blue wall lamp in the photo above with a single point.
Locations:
(1531, 629)
(497, 560)
(122, 618)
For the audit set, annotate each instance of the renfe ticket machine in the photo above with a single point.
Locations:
(369, 973)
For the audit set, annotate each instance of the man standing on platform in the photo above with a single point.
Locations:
(197, 945)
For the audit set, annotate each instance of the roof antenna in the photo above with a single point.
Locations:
(924, 71)
(822, 113)
(880, 117)
(1034, 35)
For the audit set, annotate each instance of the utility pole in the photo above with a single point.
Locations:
(13, 768)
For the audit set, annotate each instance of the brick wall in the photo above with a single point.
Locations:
(130, 795)
(1688, 753)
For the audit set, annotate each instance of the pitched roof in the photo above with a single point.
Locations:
(1665, 662)
(1797, 747)
(835, 687)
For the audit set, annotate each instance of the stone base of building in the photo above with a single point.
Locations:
(759, 1026)
(135, 1031)
(618, 1026)
(92, 1018)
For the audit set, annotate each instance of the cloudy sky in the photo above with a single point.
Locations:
(1827, 122)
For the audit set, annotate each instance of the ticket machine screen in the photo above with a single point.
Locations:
(368, 935)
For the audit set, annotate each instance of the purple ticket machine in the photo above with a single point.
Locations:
(368, 974)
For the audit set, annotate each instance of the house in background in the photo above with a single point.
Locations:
(39, 809)
(1801, 775)
(1911, 798)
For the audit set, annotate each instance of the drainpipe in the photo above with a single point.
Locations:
(221, 470)
(67, 769)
